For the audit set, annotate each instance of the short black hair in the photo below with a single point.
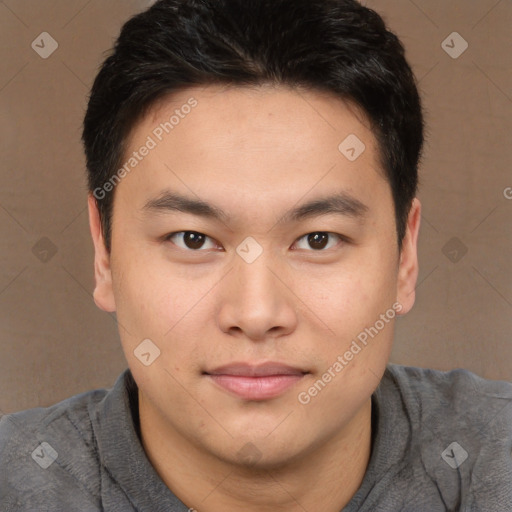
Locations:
(336, 46)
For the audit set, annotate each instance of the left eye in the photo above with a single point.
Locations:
(317, 240)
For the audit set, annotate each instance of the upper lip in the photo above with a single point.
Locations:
(256, 370)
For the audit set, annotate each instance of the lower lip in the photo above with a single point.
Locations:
(256, 388)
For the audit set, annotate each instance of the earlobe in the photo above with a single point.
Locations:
(408, 267)
(103, 290)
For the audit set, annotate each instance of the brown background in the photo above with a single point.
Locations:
(54, 342)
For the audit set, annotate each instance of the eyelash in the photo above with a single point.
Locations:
(342, 239)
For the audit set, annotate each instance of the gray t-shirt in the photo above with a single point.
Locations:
(440, 441)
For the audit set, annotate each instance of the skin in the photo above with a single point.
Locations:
(255, 153)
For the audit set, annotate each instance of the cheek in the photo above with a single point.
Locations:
(355, 357)
(353, 295)
(351, 303)
(154, 304)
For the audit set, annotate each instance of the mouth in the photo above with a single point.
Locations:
(256, 382)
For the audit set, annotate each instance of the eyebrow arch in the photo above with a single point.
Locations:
(339, 204)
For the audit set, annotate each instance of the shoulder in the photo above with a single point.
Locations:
(457, 430)
(456, 395)
(455, 413)
(458, 389)
(50, 452)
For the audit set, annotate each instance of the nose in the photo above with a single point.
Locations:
(257, 302)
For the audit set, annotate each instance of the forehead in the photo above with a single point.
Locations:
(250, 142)
(301, 119)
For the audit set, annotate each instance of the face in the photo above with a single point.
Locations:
(298, 301)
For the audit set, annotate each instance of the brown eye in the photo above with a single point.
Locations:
(188, 240)
(318, 240)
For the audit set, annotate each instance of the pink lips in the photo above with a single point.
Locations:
(256, 382)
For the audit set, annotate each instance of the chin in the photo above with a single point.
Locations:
(260, 453)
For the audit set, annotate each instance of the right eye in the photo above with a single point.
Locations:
(188, 240)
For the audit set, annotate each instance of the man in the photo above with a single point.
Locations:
(252, 170)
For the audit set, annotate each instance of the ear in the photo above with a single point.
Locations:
(408, 267)
(103, 291)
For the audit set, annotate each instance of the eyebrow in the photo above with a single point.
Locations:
(341, 204)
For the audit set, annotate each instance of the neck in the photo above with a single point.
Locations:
(328, 474)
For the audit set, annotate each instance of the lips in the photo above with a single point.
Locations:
(256, 382)
(259, 370)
